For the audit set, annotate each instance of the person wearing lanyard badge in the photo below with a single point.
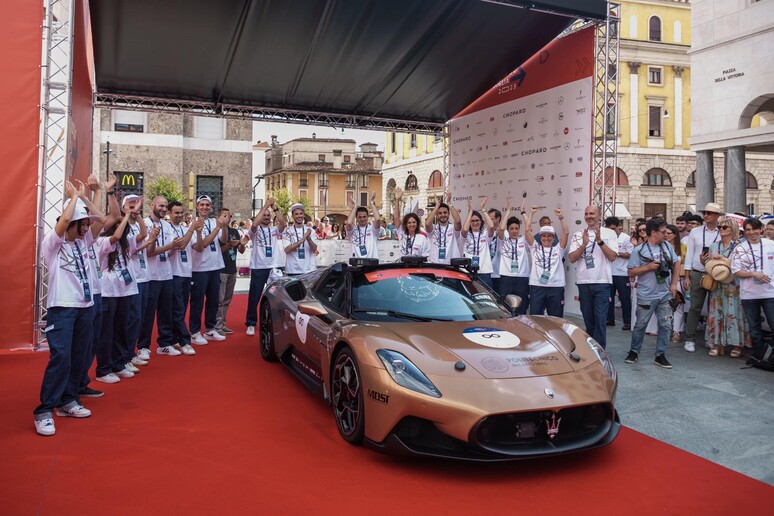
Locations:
(753, 263)
(443, 237)
(181, 261)
(228, 274)
(477, 239)
(546, 279)
(514, 264)
(139, 233)
(301, 244)
(362, 235)
(69, 317)
(412, 241)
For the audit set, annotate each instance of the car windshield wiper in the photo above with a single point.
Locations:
(401, 315)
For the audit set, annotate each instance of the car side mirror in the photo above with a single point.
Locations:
(513, 301)
(312, 308)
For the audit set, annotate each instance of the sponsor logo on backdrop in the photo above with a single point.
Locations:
(561, 115)
(541, 106)
(459, 140)
(580, 111)
(560, 101)
(579, 174)
(515, 112)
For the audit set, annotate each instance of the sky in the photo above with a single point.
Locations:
(285, 132)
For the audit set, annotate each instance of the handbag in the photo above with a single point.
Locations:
(708, 282)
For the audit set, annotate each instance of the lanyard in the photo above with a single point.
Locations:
(704, 237)
(514, 248)
(298, 238)
(442, 236)
(752, 253)
(118, 258)
(361, 236)
(266, 240)
(652, 256)
(476, 242)
(80, 266)
(178, 235)
(161, 232)
(410, 243)
(547, 268)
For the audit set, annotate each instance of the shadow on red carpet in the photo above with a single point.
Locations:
(226, 432)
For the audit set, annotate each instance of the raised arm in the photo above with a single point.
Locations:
(466, 225)
(565, 228)
(67, 215)
(116, 236)
(487, 218)
(528, 234)
(257, 219)
(377, 217)
(351, 219)
(96, 225)
(454, 213)
(504, 221)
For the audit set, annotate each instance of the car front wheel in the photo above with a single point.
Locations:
(347, 396)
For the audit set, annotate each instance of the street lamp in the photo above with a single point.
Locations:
(257, 182)
(107, 153)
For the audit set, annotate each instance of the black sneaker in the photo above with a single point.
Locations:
(611, 323)
(626, 327)
(631, 357)
(88, 392)
(663, 362)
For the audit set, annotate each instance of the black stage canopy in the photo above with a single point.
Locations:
(411, 61)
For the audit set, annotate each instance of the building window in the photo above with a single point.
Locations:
(209, 128)
(691, 181)
(621, 177)
(347, 158)
(751, 183)
(303, 194)
(438, 137)
(323, 197)
(678, 32)
(413, 141)
(655, 75)
(364, 181)
(434, 200)
(394, 142)
(284, 180)
(350, 180)
(321, 157)
(654, 28)
(652, 209)
(436, 180)
(303, 180)
(213, 187)
(657, 177)
(128, 121)
(363, 198)
(129, 183)
(654, 121)
(411, 183)
(322, 180)
(350, 198)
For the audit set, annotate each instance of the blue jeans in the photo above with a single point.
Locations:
(594, 303)
(181, 294)
(159, 308)
(518, 286)
(69, 332)
(486, 279)
(623, 287)
(645, 310)
(91, 353)
(752, 310)
(496, 283)
(204, 284)
(258, 279)
(140, 303)
(550, 299)
(114, 342)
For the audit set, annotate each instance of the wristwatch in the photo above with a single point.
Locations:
(601, 243)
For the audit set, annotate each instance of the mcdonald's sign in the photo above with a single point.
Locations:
(129, 182)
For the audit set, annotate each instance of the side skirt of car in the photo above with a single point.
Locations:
(303, 368)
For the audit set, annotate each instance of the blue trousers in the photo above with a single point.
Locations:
(594, 304)
(621, 285)
(114, 339)
(69, 332)
(645, 310)
(159, 308)
(181, 294)
(548, 299)
(258, 279)
(752, 310)
(486, 279)
(91, 353)
(518, 286)
(204, 285)
(140, 303)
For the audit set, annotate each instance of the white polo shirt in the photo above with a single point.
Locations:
(547, 259)
(754, 258)
(181, 259)
(209, 258)
(115, 282)
(160, 266)
(447, 239)
(363, 240)
(263, 255)
(602, 271)
(621, 265)
(140, 259)
(514, 257)
(68, 273)
(294, 264)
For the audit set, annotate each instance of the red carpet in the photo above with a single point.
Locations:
(226, 432)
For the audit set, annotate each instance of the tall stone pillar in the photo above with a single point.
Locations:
(705, 179)
(735, 194)
(634, 98)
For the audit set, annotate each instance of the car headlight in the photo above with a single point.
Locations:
(406, 374)
(603, 358)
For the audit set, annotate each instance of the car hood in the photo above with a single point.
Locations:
(504, 348)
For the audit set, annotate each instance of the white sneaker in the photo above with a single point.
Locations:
(197, 339)
(74, 411)
(125, 373)
(45, 426)
(187, 350)
(130, 367)
(143, 354)
(109, 378)
(250, 331)
(213, 335)
(167, 350)
(137, 361)
(690, 346)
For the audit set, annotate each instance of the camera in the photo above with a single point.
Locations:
(663, 273)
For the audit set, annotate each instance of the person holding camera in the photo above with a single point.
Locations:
(655, 265)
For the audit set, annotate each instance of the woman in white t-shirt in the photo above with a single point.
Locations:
(514, 264)
(546, 278)
(476, 241)
(413, 241)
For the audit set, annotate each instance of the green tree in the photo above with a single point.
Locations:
(283, 199)
(166, 187)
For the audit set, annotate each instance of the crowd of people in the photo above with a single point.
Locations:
(113, 277)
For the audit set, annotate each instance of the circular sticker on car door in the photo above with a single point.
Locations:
(491, 337)
(302, 323)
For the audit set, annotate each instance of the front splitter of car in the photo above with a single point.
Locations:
(427, 441)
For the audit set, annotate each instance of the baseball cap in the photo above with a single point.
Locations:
(203, 198)
(129, 198)
(81, 212)
(296, 206)
(547, 229)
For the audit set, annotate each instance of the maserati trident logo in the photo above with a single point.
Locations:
(549, 393)
(552, 428)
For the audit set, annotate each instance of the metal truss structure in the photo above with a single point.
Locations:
(54, 137)
(198, 108)
(605, 144)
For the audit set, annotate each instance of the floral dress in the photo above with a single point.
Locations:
(726, 323)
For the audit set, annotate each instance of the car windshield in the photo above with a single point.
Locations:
(410, 295)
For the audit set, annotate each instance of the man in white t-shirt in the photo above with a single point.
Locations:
(139, 233)
(513, 261)
(262, 259)
(300, 244)
(444, 237)
(181, 259)
(753, 263)
(620, 270)
(362, 235)
(593, 250)
(205, 274)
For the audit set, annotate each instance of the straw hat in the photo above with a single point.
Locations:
(713, 208)
(719, 269)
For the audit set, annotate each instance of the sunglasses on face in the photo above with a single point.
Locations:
(725, 227)
(641, 230)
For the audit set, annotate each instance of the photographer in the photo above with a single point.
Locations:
(654, 264)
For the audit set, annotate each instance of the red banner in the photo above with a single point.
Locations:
(81, 128)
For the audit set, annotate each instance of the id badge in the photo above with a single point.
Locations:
(126, 276)
(142, 261)
(184, 256)
(442, 253)
(514, 266)
(212, 247)
(363, 250)
(301, 253)
(86, 291)
(474, 261)
(163, 257)
(589, 261)
(544, 277)
(267, 251)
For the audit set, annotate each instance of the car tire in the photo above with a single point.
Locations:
(347, 396)
(266, 333)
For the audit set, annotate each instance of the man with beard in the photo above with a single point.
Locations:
(444, 238)
(300, 244)
(181, 261)
(363, 236)
(262, 260)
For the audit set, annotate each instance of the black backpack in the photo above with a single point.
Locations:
(765, 361)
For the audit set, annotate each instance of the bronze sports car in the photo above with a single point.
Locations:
(424, 359)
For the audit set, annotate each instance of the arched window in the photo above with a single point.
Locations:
(436, 180)
(391, 184)
(656, 177)
(411, 183)
(621, 177)
(751, 182)
(654, 28)
(691, 181)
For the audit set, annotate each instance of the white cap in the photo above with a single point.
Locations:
(547, 229)
(203, 198)
(80, 211)
(129, 198)
(296, 206)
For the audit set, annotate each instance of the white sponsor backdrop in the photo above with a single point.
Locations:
(537, 149)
